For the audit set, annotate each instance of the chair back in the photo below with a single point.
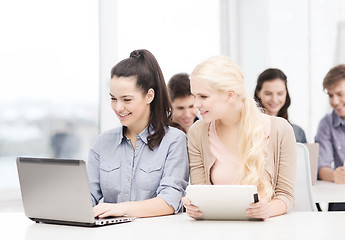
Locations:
(304, 200)
(313, 149)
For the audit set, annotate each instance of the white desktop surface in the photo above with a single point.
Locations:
(294, 225)
(325, 192)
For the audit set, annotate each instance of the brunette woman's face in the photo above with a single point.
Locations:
(273, 96)
(129, 103)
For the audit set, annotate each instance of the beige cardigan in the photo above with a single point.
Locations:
(280, 163)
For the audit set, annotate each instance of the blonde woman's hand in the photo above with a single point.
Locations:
(191, 210)
(260, 209)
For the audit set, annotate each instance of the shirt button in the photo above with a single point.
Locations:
(126, 195)
(339, 147)
(129, 179)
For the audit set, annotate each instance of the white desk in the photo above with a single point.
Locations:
(294, 225)
(325, 192)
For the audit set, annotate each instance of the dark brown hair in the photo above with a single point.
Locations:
(334, 75)
(179, 86)
(269, 75)
(144, 66)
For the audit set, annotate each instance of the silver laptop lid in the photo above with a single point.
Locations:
(55, 189)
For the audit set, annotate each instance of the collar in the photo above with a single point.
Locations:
(143, 135)
(337, 121)
(122, 134)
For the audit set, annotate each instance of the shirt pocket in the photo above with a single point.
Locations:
(149, 177)
(110, 175)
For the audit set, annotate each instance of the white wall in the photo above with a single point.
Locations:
(179, 33)
(300, 38)
(324, 19)
(108, 55)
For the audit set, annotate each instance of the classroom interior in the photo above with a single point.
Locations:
(56, 58)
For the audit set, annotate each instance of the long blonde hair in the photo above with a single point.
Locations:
(222, 74)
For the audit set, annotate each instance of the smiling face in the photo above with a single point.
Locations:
(129, 103)
(273, 96)
(336, 96)
(211, 104)
(184, 111)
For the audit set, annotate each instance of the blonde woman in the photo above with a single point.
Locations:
(235, 143)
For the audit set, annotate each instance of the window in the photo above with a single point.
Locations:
(180, 34)
(50, 78)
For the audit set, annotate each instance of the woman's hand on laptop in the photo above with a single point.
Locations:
(339, 175)
(191, 210)
(260, 209)
(104, 210)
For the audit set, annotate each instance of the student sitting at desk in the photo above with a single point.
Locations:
(182, 101)
(272, 94)
(141, 168)
(235, 143)
(331, 132)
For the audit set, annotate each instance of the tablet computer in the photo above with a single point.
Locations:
(223, 202)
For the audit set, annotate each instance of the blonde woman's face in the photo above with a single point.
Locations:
(273, 96)
(211, 104)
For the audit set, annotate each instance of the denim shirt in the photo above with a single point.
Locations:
(119, 173)
(331, 137)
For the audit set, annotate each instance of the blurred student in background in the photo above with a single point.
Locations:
(331, 132)
(183, 111)
(272, 94)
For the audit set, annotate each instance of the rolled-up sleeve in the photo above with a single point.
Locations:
(176, 173)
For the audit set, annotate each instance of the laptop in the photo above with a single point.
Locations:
(57, 191)
(223, 202)
(313, 149)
